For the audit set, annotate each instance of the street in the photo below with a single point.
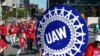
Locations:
(11, 51)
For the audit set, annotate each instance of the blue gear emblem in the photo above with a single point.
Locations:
(62, 32)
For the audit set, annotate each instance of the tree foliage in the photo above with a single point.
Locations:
(19, 13)
(22, 13)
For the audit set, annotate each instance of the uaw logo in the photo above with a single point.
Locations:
(62, 32)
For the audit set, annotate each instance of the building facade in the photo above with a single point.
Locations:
(24, 3)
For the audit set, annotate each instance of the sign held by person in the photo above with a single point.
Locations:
(62, 31)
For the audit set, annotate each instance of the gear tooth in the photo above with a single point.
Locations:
(60, 49)
(63, 48)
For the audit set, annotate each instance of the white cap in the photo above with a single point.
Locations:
(97, 38)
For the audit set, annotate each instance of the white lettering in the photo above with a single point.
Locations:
(61, 32)
(48, 38)
(56, 35)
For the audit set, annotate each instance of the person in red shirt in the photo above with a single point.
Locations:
(93, 49)
(30, 37)
(22, 42)
(22, 38)
(22, 34)
(33, 26)
(22, 30)
(3, 32)
(13, 31)
(3, 46)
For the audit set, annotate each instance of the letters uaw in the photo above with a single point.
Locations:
(56, 35)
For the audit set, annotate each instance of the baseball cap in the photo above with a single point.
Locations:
(97, 38)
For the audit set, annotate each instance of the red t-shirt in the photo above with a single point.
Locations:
(13, 30)
(91, 50)
(4, 30)
(22, 30)
(30, 33)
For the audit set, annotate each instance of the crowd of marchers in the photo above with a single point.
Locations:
(23, 32)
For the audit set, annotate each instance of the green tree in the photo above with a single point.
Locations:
(7, 14)
(22, 13)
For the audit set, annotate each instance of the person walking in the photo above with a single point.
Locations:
(13, 31)
(30, 37)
